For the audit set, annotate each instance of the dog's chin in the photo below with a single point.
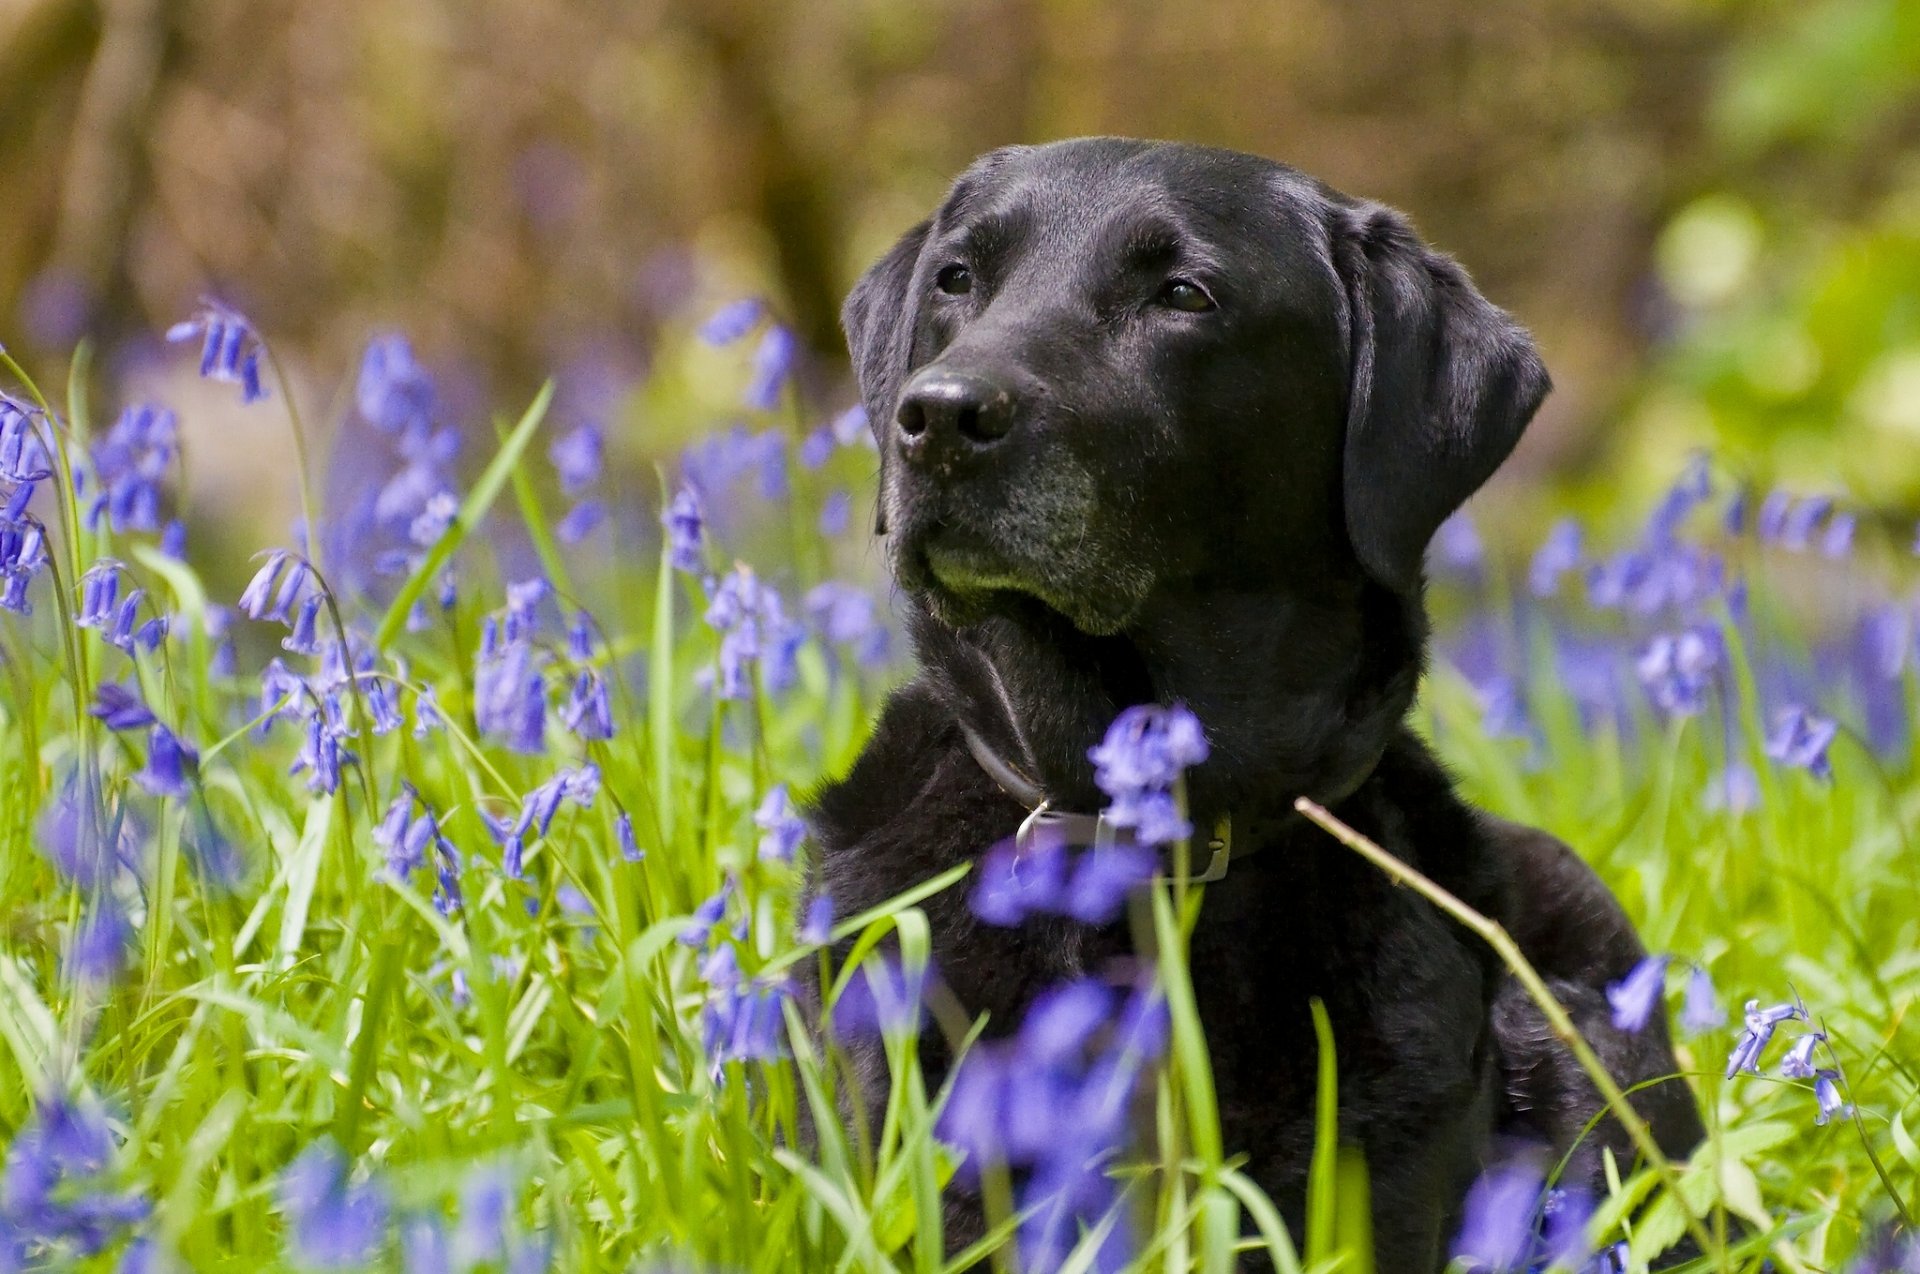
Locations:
(964, 581)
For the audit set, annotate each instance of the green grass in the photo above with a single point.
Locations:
(315, 999)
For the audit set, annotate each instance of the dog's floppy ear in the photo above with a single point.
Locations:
(1443, 382)
(878, 319)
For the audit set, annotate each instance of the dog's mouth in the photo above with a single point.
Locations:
(966, 563)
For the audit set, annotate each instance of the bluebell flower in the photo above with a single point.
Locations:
(1104, 878)
(1634, 997)
(129, 463)
(582, 520)
(773, 361)
(120, 708)
(1803, 519)
(424, 1248)
(486, 1199)
(229, 348)
(1062, 1021)
(816, 448)
(1503, 708)
(1010, 885)
(1837, 541)
(719, 461)
(394, 392)
(624, 837)
(1499, 1218)
(1800, 739)
(1558, 555)
(1886, 638)
(699, 929)
(382, 705)
(1760, 1026)
(781, 830)
(881, 997)
(56, 1196)
(259, 592)
(1826, 1091)
(523, 608)
(577, 456)
(1798, 1063)
(836, 513)
(435, 516)
(684, 525)
(23, 457)
(335, 1224)
(1735, 518)
(816, 929)
(1771, 522)
(323, 753)
(1677, 670)
(426, 713)
(169, 763)
(510, 697)
(1701, 1011)
(588, 711)
(846, 616)
(572, 901)
(1457, 546)
(100, 943)
(732, 321)
(754, 630)
(304, 637)
(850, 427)
(22, 553)
(1690, 489)
(99, 594)
(1734, 790)
(126, 628)
(1136, 764)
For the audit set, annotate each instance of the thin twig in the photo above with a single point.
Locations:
(1496, 936)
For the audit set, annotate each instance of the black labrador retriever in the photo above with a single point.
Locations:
(1166, 423)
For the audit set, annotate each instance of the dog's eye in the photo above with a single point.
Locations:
(954, 280)
(1184, 294)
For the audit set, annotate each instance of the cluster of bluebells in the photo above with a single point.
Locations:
(755, 633)
(1043, 877)
(1513, 1222)
(1635, 998)
(406, 836)
(510, 680)
(1058, 1101)
(1656, 618)
(230, 349)
(23, 465)
(416, 505)
(742, 1018)
(1139, 763)
(58, 1201)
(536, 814)
(337, 1222)
(774, 357)
(129, 464)
(577, 457)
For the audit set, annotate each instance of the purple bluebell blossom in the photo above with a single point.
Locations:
(1457, 546)
(582, 520)
(510, 697)
(817, 928)
(850, 427)
(1677, 670)
(719, 461)
(1760, 1026)
(129, 463)
(56, 1196)
(1799, 739)
(1634, 997)
(588, 711)
(426, 713)
(382, 705)
(258, 595)
(699, 929)
(23, 457)
(781, 830)
(1734, 520)
(335, 1224)
(435, 516)
(685, 528)
(624, 837)
(1802, 521)
(120, 708)
(847, 616)
(22, 553)
(754, 630)
(323, 753)
(304, 637)
(1733, 790)
(1771, 522)
(881, 997)
(836, 513)
(1499, 1219)
(577, 456)
(1557, 556)
(170, 762)
(101, 942)
(773, 361)
(230, 349)
(523, 608)
(1886, 639)
(1104, 878)
(1798, 1063)
(1826, 1092)
(1701, 1011)
(745, 1023)
(394, 392)
(99, 594)
(1145, 751)
(732, 321)
(816, 448)
(1010, 885)
(1837, 541)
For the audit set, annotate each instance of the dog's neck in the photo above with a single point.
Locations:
(1297, 697)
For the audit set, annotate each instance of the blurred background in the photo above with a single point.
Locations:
(1707, 210)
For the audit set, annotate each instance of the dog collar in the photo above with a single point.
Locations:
(1094, 830)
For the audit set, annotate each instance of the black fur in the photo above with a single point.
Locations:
(1097, 498)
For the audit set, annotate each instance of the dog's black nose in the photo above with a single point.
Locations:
(944, 414)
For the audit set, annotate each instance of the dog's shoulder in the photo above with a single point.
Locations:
(1564, 917)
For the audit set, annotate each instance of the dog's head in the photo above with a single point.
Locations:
(1104, 368)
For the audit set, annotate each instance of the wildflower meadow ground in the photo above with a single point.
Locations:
(431, 896)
